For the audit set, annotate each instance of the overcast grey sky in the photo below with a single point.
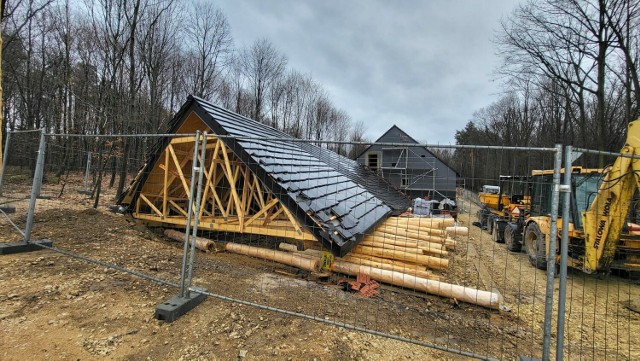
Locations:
(424, 65)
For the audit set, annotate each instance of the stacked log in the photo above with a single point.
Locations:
(412, 243)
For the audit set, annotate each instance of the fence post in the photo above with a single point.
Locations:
(7, 142)
(86, 173)
(194, 168)
(35, 188)
(201, 168)
(564, 251)
(551, 259)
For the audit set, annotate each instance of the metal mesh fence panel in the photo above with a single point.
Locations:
(19, 163)
(601, 314)
(410, 242)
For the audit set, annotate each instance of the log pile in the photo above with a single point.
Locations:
(309, 259)
(401, 252)
(410, 245)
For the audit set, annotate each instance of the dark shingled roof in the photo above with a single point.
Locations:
(335, 198)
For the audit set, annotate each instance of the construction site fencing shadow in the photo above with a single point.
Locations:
(446, 262)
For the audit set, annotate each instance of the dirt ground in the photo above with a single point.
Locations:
(53, 306)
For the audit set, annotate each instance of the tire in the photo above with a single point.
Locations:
(535, 245)
(512, 240)
(498, 236)
(490, 224)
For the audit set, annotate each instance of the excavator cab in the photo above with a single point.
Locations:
(585, 183)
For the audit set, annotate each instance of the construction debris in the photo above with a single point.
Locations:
(363, 286)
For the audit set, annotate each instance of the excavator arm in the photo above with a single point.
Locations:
(604, 219)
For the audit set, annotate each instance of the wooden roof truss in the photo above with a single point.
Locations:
(233, 198)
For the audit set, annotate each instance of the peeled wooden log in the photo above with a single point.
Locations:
(400, 240)
(392, 267)
(430, 222)
(429, 261)
(466, 294)
(273, 255)
(382, 263)
(356, 256)
(287, 247)
(457, 231)
(427, 231)
(389, 246)
(409, 248)
(415, 234)
(379, 236)
(202, 244)
(433, 231)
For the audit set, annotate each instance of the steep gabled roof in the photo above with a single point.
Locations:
(407, 139)
(334, 198)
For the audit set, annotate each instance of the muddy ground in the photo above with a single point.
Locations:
(53, 306)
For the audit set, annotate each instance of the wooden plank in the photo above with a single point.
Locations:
(292, 219)
(173, 174)
(208, 175)
(217, 176)
(258, 190)
(165, 186)
(177, 207)
(179, 169)
(232, 182)
(262, 211)
(182, 140)
(244, 202)
(148, 202)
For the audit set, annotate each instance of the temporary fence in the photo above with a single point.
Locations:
(258, 216)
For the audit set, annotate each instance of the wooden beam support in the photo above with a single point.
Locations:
(179, 169)
(150, 204)
(262, 211)
(177, 208)
(165, 186)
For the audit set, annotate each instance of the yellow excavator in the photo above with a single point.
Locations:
(601, 237)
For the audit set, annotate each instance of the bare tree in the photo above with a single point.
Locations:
(566, 40)
(208, 51)
(623, 17)
(261, 64)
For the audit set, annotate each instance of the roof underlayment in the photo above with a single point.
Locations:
(334, 198)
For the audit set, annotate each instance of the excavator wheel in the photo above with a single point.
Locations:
(534, 242)
(511, 239)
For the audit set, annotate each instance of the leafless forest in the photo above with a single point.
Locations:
(569, 75)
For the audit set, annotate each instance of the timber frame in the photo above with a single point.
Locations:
(233, 198)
